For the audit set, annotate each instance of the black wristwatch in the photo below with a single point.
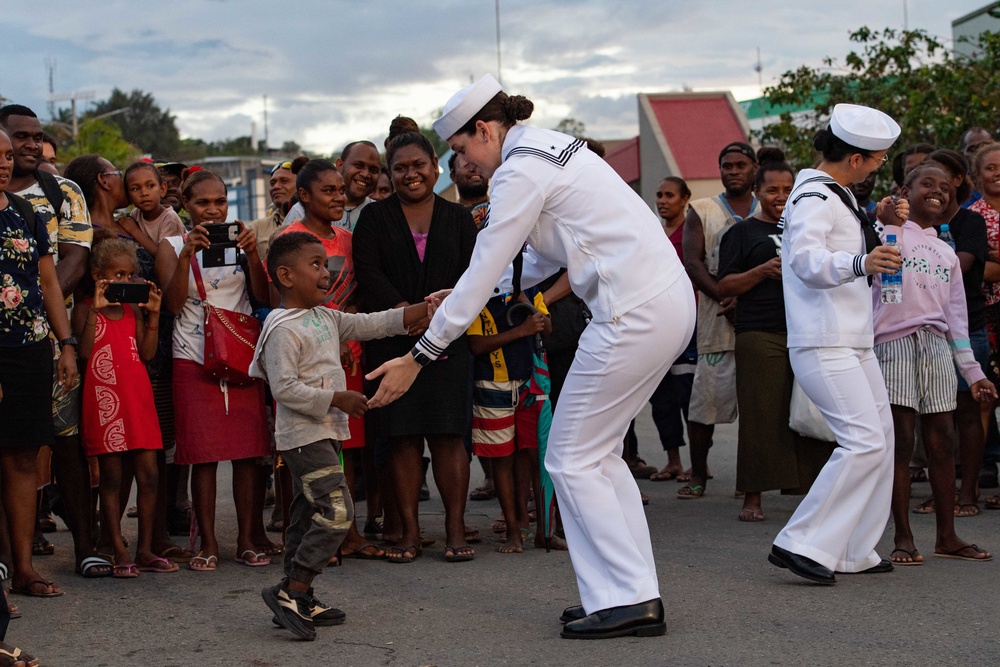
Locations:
(69, 341)
(421, 358)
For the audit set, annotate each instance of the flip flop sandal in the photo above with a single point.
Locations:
(43, 548)
(483, 493)
(957, 554)
(177, 554)
(125, 571)
(28, 590)
(271, 549)
(367, 551)
(207, 563)
(472, 536)
(663, 476)
(260, 558)
(750, 516)
(426, 541)
(689, 492)
(167, 566)
(13, 610)
(398, 554)
(912, 555)
(992, 503)
(926, 507)
(132, 512)
(459, 554)
(11, 655)
(966, 510)
(499, 526)
(85, 568)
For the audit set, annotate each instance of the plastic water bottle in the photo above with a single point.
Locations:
(944, 233)
(892, 283)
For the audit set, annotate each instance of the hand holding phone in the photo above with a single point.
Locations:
(125, 292)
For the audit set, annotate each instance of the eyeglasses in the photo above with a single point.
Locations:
(881, 161)
(117, 172)
(287, 164)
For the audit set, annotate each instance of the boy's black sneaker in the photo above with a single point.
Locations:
(291, 610)
(322, 615)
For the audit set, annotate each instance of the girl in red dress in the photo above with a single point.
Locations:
(119, 416)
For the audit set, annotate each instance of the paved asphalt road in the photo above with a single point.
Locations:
(725, 605)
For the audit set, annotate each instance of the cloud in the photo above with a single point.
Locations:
(334, 71)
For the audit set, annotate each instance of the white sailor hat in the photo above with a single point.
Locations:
(863, 127)
(465, 104)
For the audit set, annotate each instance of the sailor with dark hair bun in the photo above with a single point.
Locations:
(573, 211)
(829, 250)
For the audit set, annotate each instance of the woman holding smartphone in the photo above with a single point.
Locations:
(214, 420)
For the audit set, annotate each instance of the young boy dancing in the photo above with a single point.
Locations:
(299, 356)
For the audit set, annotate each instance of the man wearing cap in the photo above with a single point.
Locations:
(573, 211)
(713, 393)
(829, 250)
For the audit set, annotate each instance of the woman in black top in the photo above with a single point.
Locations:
(407, 246)
(965, 230)
(768, 455)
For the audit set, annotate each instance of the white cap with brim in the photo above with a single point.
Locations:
(863, 127)
(465, 104)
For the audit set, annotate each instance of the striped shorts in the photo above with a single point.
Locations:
(918, 371)
(501, 423)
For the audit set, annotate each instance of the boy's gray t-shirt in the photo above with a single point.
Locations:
(299, 356)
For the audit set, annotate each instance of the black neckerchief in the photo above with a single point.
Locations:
(868, 232)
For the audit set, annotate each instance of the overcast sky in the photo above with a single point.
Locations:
(335, 71)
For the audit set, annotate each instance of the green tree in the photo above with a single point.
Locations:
(291, 148)
(142, 121)
(572, 127)
(932, 93)
(103, 138)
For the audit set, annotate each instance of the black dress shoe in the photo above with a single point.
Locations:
(800, 565)
(574, 613)
(641, 620)
(884, 565)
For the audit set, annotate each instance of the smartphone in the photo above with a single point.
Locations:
(127, 292)
(223, 233)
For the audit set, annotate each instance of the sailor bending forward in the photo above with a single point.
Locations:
(574, 211)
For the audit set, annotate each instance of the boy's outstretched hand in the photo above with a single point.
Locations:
(351, 402)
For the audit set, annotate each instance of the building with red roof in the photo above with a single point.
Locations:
(681, 134)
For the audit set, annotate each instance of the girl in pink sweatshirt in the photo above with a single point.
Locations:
(915, 342)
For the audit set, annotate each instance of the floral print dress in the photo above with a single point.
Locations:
(22, 311)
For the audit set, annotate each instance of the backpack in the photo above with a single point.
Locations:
(27, 213)
(52, 191)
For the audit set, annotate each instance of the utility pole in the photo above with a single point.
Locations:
(50, 65)
(499, 74)
(72, 98)
(265, 125)
(759, 68)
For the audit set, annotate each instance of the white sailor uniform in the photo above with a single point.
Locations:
(828, 309)
(576, 212)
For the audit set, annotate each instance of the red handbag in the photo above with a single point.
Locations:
(230, 338)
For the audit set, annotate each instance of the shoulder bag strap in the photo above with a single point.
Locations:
(516, 278)
(197, 275)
